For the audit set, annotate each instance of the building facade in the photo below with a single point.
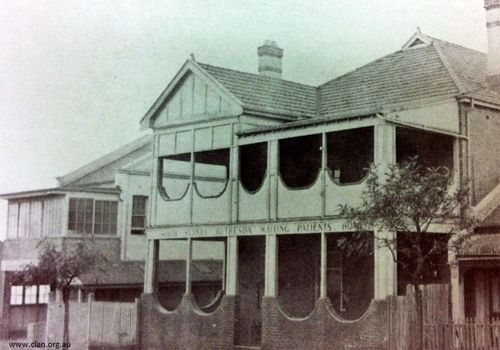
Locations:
(104, 205)
(262, 164)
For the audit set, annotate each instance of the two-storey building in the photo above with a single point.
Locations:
(103, 204)
(262, 165)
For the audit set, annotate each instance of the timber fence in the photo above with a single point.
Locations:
(439, 332)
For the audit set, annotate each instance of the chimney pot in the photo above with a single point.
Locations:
(270, 55)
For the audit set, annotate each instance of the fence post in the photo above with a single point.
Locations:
(89, 313)
(137, 321)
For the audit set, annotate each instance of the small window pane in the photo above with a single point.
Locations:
(16, 295)
(105, 217)
(80, 215)
(30, 295)
(139, 204)
(43, 294)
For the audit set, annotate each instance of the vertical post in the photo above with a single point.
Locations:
(232, 266)
(150, 284)
(457, 293)
(271, 271)
(189, 257)
(192, 180)
(323, 173)
(155, 182)
(224, 268)
(89, 316)
(80, 295)
(234, 170)
(385, 266)
(273, 161)
(323, 268)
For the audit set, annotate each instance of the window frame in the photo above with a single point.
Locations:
(111, 221)
(21, 295)
(336, 174)
(139, 230)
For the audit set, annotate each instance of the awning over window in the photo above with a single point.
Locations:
(481, 245)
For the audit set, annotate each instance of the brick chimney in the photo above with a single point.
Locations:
(493, 28)
(270, 56)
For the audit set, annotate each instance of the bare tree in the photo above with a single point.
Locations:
(408, 200)
(59, 267)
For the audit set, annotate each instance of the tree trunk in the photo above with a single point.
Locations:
(65, 293)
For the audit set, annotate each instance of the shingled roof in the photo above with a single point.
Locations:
(437, 70)
(266, 94)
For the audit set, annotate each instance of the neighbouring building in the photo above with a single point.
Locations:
(103, 204)
(262, 165)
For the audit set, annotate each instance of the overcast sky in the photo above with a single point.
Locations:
(77, 76)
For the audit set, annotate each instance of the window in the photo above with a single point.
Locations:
(29, 295)
(90, 216)
(25, 219)
(253, 165)
(174, 176)
(43, 294)
(431, 149)
(139, 204)
(436, 268)
(350, 272)
(16, 295)
(349, 154)
(105, 217)
(300, 160)
(211, 172)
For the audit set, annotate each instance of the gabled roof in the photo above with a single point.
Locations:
(105, 161)
(265, 94)
(433, 70)
(425, 69)
(189, 66)
(123, 158)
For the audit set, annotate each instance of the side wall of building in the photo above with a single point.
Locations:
(484, 143)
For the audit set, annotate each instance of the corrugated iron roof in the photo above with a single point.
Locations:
(481, 245)
(132, 272)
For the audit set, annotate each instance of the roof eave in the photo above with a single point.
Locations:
(307, 122)
(57, 191)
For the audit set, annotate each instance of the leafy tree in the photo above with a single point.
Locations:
(58, 267)
(408, 199)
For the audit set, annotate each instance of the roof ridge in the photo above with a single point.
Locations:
(449, 69)
(103, 160)
(446, 42)
(359, 68)
(258, 75)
